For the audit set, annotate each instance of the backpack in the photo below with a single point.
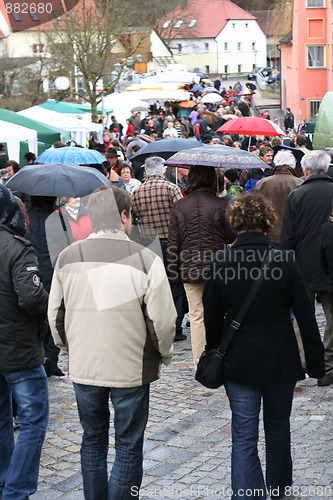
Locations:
(234, 189)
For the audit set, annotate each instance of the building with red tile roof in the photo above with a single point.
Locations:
(215, 36)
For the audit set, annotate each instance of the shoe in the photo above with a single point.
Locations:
(180, 336)
(51, 369)
(327, 380)
(57, 372)
(16, 425)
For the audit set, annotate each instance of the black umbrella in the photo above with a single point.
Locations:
(53, 179)
(165, 148)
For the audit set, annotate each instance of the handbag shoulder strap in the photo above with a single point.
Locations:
(236, 323)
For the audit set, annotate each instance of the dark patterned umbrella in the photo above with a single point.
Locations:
(216, 156)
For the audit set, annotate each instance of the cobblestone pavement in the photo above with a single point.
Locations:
(188, 439)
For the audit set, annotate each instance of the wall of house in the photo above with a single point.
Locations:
(21, 43)
(306, 86)
(196, 53)
(250, 53)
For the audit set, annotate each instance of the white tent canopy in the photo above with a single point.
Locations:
(124, 102)
(80, 129)
(12, 134)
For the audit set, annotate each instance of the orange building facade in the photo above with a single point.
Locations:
(307, 58)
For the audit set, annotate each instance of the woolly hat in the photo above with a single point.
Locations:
(11, 214)
(231, 174)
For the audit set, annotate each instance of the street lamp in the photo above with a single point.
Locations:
(139, 58)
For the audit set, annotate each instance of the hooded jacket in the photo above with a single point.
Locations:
(23, 300)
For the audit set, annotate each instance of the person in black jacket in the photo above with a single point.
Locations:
(23, 307)
(40, 209)
(262, 363)
(307, 209)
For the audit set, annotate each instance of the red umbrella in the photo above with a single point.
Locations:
(251, 125)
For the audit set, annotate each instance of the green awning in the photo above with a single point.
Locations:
(61, 107)
(45, 133)
(87, 108)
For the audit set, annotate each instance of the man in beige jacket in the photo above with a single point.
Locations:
(111, 307)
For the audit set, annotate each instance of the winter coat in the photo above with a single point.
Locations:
(198, 229)
(307, 209)
(264, 350)
(254, 175)
(111, 308)
(276, 189)
(23, 304)
(326, 254)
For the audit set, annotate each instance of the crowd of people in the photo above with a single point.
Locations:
(117, 277)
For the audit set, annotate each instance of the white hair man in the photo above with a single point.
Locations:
(307, 209)
(277, 187)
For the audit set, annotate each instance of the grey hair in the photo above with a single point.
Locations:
(154, 165)
(284, 157)
(316, 162)
(330, 152)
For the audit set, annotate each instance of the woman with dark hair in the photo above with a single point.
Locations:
(198, 229)
(40, 209)
(262, 362)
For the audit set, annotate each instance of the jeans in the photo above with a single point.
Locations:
(131, 407)
(246, 472)
(19, 464)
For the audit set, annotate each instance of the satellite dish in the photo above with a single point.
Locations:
(61, 83)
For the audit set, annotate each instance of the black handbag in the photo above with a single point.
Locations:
(210, 366)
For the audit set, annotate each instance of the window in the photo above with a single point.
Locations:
(192, 23)
(207, 69)
(33, 16)
(239, 45)
(314, 108)
(254, 66)
(316, 56)
(38, 48)
(16, 16)
(179, 47)
(226, 68)
(226, 45)
(239, 68)
(206, 47)
(253, 45)
(233, 26)
(246, 26)
(178, 23)
(166, 24)
(314, 4)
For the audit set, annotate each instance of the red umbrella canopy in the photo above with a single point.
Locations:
(251, 125)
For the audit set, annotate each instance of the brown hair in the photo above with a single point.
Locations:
(250, 212)
(201, 176)
(105, 206)
(125, 165)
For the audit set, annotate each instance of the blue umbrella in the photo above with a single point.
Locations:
(71, 155)
(196, 87)
(57, 180)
